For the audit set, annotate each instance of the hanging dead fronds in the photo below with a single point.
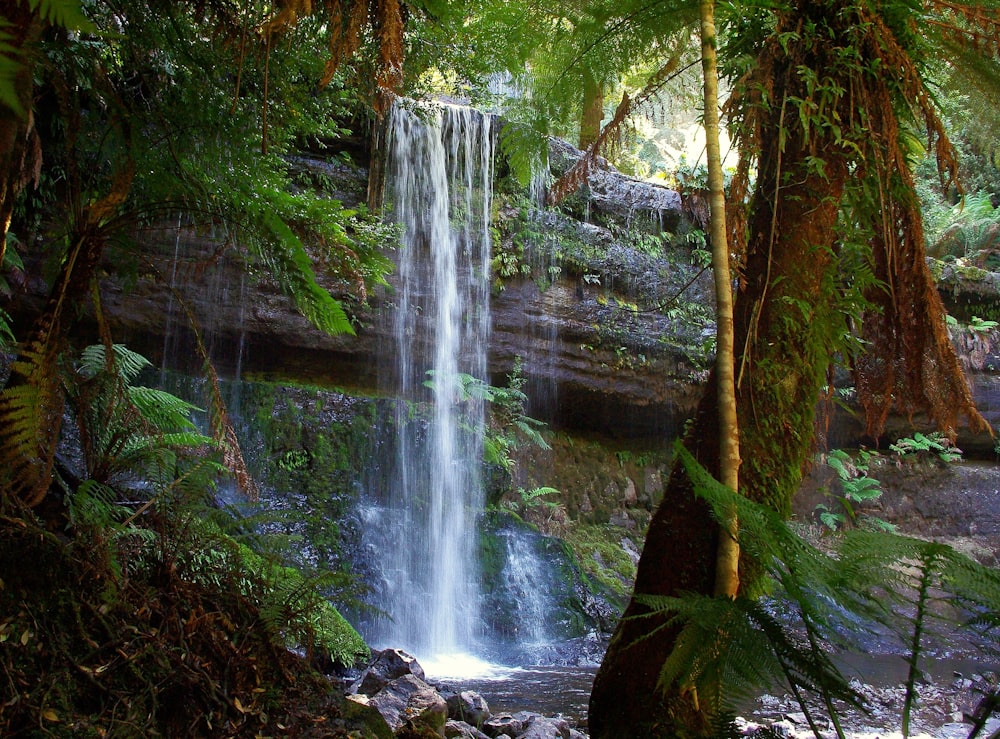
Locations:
(910, 365)
(346, 25)
(220, 426)
(975, 27)
(612, 132)
(389, 28)
(347, 20)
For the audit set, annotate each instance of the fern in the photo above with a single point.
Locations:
(65, 13)
(31, 409)
(524, 147)
(123, 362)
(293, 267)
(290, 602)
(912, 586)
(907, 585)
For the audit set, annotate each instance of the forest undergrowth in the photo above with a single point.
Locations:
(88, 651)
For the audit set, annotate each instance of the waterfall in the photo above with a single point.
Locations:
(427, 491)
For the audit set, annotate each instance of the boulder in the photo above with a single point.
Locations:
(386, 666)
(462, 730)
(468, 706)
(512, 724)
(541, 727)
(358, 715)
(409, 700)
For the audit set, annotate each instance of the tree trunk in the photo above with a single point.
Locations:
(727, 573)
(784, 330)
(593, 111)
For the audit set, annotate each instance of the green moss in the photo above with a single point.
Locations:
(600, 554)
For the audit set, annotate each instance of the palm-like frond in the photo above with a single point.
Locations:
(31, 411)
(907, 585)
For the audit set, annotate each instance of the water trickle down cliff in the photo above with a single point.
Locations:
(424, 489)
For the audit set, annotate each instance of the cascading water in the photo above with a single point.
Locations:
(427, 491)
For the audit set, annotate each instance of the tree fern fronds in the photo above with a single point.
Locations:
(764, 536)
(728, 647)
(524, 146)
(64, 13)
(577, 174)
(7, 337)
(932, 580)
(124, 362)
(31, 410)
(291, 263)
(225, 435)
(218, 417)
(164, 410)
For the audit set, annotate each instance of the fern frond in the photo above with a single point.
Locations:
(728, 648)
(65, 13)
(291, 264)
(7, 338)
(525, 148)
(125, 363)
(164, 410)
(31, 409)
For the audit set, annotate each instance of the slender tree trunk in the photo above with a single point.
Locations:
(727, 577)
(593, 111)
(784, 330)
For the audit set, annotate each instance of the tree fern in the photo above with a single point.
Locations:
(913, 587)
(31, 408)
(133, 435)
(908, 585)
(65, 13)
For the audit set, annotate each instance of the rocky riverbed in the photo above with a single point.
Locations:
(949, 701)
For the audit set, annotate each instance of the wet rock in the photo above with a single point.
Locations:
(468, 706)
(409, 700)
(386, 666)
(541, 727)
(511, 724)
(358, 714)
(631, 496)
(462, 730)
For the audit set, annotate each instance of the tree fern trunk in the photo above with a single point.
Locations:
(593, 111)
(20, 152)
(784, 329)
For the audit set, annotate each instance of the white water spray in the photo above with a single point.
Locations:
(439, 189)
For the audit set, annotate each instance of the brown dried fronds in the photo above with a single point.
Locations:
(220, 426)
(286, 16)
(910, 365)
(389, 28)
(347, 20)
(967, 24)
(346, 25)
(611, 133)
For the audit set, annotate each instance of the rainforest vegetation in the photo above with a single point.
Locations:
(134, 605)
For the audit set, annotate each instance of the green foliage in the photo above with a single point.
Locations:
(856, 487)
(970, 226)
(905, 584)
(290, 601)
(599, 551)
(132, 433)
(217, 117)
(508, 425)
(935, 444)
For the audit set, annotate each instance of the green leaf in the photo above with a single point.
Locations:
(65, 13)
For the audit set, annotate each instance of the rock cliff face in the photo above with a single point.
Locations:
(582, 317)
(612, 318)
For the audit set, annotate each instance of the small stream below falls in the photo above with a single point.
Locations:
(564, 691)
